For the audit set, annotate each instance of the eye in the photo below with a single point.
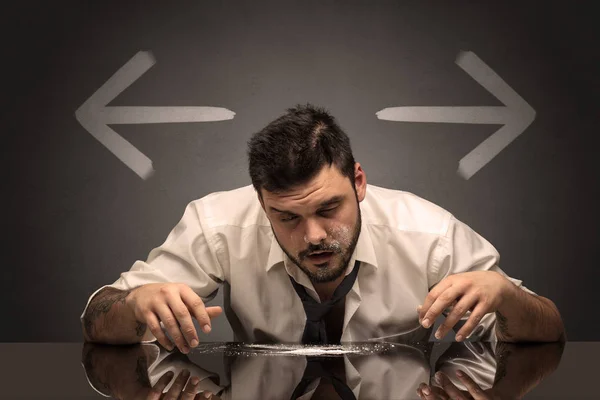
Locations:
(327, 212)
(288, 218)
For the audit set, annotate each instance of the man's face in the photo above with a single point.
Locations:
(317, 224)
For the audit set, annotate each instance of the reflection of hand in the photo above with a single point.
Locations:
(209, 396)
(178, 390)
(173, 304)
(447, 390)
(479, 291)
(159, 386)
(122, 372)
(518, 368)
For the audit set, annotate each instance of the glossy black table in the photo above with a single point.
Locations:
(371, 370)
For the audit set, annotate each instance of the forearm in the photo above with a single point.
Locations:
(521, 367)
(109, 320)
(120, 372)
(526, 317)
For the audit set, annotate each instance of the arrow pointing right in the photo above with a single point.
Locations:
(516, 116)
(95, 116)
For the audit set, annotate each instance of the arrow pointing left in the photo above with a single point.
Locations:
(95, 116)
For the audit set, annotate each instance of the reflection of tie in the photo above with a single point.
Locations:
(320, 367)
(314, 331)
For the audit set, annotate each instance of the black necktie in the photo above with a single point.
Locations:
(319, 367)
(314, 331)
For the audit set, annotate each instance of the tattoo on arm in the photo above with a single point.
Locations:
(140, 328)
(141, 371)
(102, 304)
(502, 353)
(502, 326)
(96, 380)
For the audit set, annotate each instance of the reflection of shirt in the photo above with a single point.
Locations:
(390, 372)
(406, 246)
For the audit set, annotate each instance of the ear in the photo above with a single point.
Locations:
(360, 182)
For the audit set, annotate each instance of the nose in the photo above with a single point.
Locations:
(315, 233)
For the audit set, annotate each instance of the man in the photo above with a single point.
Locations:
(310, 253)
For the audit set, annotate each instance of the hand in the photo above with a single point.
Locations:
(448, 390)
(208, 395)
(174, 304)
(478, 291)
(179, 389)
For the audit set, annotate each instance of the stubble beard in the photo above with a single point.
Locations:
(329, 273)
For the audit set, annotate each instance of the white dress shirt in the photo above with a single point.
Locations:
(406, 246)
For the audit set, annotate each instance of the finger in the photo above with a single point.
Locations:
(170, 322)
(436, 393)
(458, 311)
(184, 319)
(473, 388)
(154, 325)
(442, 301)
(160, 385)
(451, 390)
(427, 392)
(439, 392)
(196, 306)
(207, 395)
(178, 385)
(421, 391)
(214, 311)
(478, 313)
(190, 389)
(433, 295)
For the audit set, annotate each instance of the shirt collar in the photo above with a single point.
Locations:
(276, 254)
(364, 251)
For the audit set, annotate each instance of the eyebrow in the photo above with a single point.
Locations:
(333, 200)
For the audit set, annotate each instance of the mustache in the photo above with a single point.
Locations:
(333, 247)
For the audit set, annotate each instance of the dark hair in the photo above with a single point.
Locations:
(294, 148)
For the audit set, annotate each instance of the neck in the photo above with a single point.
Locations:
(325, 290)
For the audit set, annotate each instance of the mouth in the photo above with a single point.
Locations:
(320, 258)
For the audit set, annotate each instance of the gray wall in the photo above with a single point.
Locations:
(78, 216)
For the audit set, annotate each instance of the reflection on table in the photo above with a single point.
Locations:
(373, 370)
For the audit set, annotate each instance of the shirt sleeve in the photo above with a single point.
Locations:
(188, 255)
(461, 249)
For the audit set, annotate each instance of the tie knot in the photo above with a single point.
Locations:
(316, 311)
(315, 331)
